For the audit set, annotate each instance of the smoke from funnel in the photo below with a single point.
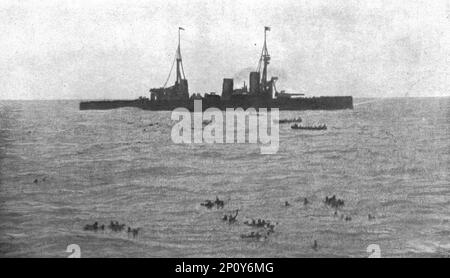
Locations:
(243, 75)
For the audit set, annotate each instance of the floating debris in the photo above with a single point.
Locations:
(210, 204)
(206, 122)
(94, 227)
(253, 235)
(371, 217)
(41, 180)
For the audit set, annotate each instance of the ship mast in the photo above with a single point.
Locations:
(264, 60)
(180, 69)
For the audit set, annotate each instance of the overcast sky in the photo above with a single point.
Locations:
(119, 49)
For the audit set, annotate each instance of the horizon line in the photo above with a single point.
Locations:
(105, 99)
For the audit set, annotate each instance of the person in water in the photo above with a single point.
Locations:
(208, 204)
(231, 218)
(219, 203)
(315, 246)
(305, 202)
(115, 226)
(93, 227)
(334, 202)
(133, 232)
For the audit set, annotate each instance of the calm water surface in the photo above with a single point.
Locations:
(389, 158)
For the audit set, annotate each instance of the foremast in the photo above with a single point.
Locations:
(179, 91)
(266, 86)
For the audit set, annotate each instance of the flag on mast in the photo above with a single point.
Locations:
(266, 28)
(178, 54)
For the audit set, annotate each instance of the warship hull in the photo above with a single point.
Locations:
(261, 93)
(294, 104)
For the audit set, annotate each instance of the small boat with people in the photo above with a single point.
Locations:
(231, 218)
(318, 127)
(288, 121)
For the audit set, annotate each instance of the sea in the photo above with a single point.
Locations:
(62, 169)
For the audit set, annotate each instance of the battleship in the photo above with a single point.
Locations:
(261, 93)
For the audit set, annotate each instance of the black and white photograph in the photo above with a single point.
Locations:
(227, 129)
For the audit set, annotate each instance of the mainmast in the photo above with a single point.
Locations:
(180, 69)
(264, 60)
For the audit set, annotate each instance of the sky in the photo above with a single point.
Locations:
(92, 49)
